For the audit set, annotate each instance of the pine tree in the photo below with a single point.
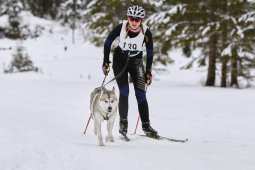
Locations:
(2, 11)
(44, 8)
(189, 25)
(240, 31)
(21, 61)
(164, 31)
(215, 27)
(224, 44)
(103, 16)
(13, 10)
(72, 14)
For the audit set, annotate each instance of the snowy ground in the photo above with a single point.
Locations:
(43, 115)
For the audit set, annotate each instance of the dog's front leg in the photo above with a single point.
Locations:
(110, 124)
(95, 127)
(99, 133)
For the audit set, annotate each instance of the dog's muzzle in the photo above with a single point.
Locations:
(109, 109)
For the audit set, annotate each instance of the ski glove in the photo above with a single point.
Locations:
(148, 77)
(106, 68)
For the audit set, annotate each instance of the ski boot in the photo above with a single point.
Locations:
(123, 130)
(149, 131)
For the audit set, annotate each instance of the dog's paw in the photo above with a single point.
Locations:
(101, 144)
(112, 139)
(109, 138)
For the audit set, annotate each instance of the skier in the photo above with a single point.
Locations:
(132, 35)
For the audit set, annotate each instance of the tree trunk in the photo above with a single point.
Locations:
(224, 71)
(74, 10)
(234, 68)
(212, 61)
(224, 59)
(73, 35)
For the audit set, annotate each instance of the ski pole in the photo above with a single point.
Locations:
(136, 124)
(87, 125)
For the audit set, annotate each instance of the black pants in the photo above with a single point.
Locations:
(136, 70)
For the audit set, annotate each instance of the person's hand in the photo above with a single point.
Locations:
(148, 77)
(106, 68)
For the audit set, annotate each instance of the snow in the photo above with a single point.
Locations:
(170, 31)
(205, 30)
(227, 51)
(3, 20)
(157, 3)
(43, 115)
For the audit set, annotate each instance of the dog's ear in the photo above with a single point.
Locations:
(113, 89)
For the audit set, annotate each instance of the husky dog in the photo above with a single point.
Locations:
(103, 106)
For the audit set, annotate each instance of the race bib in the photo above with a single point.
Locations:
(131, 44)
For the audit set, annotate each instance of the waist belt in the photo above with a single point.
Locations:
(132, 53)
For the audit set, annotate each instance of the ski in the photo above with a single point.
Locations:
(124, 137)
(173, 140)
(157, 137)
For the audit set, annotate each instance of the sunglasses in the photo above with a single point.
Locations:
(132, 19)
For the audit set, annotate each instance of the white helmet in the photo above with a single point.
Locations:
(136, 11)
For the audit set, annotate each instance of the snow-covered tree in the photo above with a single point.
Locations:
(13, 9)
(43, 8)
(213, 26)
(72, 14)
(102, 17)
(21, 61)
